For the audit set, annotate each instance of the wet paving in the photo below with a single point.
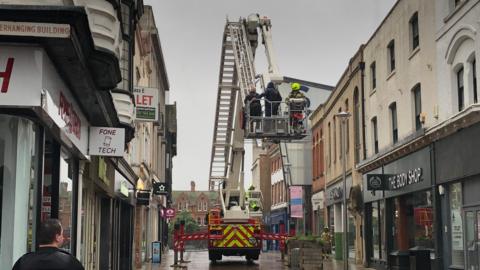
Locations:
(199, 260)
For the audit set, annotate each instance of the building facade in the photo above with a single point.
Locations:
(455, 148)
(400, 110)
(83, 77)
(197, 203)
(329, 153)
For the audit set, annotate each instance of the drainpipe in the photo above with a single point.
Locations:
(362, 71)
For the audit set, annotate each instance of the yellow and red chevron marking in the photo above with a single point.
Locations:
(236, 236)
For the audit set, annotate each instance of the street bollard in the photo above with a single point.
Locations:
(182, 243)
(175, 244)
(282, 241)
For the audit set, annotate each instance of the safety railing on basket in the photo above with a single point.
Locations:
(275, 119)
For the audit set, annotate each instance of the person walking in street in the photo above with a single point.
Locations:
(48, 255)
(272, 99)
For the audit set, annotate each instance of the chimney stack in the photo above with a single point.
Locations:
(192, 186)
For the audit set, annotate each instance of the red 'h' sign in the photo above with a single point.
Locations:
(6, 75)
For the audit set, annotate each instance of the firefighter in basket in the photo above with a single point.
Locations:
(296, 102)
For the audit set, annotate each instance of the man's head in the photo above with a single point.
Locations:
(50, 233)
(252, 88)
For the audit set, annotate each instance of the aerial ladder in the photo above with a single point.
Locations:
(235, 229)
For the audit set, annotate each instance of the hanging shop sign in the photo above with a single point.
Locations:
(146, 104)
(160, 188)
(107, 141)
(143, 197)
(318, 200)
(34, 29)
(169, 213)
(394, 181)
(296, 202)
(377, 181)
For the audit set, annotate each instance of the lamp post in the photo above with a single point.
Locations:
(344, 118)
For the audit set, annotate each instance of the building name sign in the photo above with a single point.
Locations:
(34, 29)
(336, 193)
(402, 180)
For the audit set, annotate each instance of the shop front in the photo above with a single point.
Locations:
(458, 182)
(335, 208)
(400, 215)
(318, 207)
(44, 135)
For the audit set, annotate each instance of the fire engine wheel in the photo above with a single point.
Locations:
(214, 256)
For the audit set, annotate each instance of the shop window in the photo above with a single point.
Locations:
(413, 221)
(65, 200)
(351, 236)
(376, 231)
(456, 223)
(18, 181)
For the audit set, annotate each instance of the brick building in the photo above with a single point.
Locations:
(196, 202)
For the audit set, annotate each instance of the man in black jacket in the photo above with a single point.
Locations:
(49, 256)
(272, 99)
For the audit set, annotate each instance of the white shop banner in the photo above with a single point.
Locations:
(107, 141)
(20, 76)
(146, 104)
(25, 73)
(63, 108)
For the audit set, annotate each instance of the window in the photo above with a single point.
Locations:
(334, 157)
(340, 126)
(199, 221)
(347, 129)
(461, 101)
(391, 55)
(18, 177)
(125, 9)
(320, 154)
(373, 75)
(474, 74)
(199, 206)
(414, 35)
(205, 206)
(417, 103)
(456, 223)
(375, 135)
(329, 145)
(356, 127)
(416, 210)
(393, 115)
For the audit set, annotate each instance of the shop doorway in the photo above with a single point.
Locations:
(472, 238)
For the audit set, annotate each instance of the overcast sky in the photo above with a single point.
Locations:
(313, 40)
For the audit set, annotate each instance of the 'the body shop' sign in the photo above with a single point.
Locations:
(146, 102)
